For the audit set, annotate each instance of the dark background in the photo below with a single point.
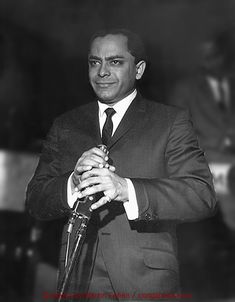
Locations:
(43, 68)
(43, 72)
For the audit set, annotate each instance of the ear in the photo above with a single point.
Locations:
(140, 68)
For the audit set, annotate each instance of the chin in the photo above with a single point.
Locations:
(106, 101)
(105, 98)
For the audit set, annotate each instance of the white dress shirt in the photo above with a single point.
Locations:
(220, 171)
(131, 206)
(214, 85)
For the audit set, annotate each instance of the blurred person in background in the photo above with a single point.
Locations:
(210, 97)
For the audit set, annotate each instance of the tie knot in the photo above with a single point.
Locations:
(110, 112)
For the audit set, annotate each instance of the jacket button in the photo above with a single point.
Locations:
(147, 216)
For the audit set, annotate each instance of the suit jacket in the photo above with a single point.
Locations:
(155, 146)
(214, 127)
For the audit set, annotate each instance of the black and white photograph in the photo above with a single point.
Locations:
(117, 150)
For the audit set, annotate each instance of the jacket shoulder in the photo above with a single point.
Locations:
(166, 111)
(75, 116)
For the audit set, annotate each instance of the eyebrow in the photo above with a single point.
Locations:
(107, 58)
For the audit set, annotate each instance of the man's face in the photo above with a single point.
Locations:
(212, 60)
(112, 68)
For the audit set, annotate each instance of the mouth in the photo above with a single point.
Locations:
(104, 85)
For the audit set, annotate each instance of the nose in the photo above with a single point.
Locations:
(103, 70)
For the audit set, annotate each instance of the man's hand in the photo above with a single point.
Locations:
(103, 180)
(93, 158)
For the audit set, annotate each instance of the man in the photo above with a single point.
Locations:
(158, 177)
(210, 97)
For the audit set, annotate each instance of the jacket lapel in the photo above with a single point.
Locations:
(132, 116)
(91, 123)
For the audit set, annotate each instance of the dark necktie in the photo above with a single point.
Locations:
(108, 126)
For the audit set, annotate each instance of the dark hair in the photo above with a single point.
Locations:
(134, 42)
(222, 44)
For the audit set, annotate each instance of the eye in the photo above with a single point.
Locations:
(116, 62)
(94, 62)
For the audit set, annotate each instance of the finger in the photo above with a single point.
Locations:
(76, 179)
(98, 159)
(93, 161)
(92, 190)
(88, 182)
(112, 168)
(95, 172)
(99, 152)
(94, 157)
(81, 169)
(102, 201)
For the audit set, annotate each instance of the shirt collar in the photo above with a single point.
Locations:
(120, 107)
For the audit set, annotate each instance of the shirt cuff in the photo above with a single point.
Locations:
(71, 194)
(220, 173)
(131, 206)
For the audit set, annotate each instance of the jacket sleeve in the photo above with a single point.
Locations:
(187, 193)
(46, 196)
